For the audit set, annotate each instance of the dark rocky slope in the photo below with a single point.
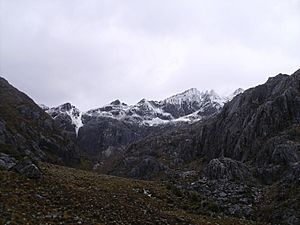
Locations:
(26, 130)
(244, 162)
(259, 127)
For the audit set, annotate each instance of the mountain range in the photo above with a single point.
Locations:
(209, 159)
(118, 124)
(188, 106)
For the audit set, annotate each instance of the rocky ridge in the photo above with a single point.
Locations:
(26, 130)
(118, 124)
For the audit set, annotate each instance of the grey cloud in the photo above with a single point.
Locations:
(91, 52)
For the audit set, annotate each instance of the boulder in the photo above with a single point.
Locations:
(27, 168)
(6, 161)
(226, 168)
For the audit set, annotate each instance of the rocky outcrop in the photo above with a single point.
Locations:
(6, 161)
(226, 168)
(27, 168)
(226, 197)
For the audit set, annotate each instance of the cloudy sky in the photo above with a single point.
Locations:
(93, 51)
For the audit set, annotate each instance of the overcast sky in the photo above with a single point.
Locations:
(94, 51)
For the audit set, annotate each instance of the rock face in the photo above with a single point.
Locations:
(259, 127)
(254, 118)
(99, 134)
(26, 130)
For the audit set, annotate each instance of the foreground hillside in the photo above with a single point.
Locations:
(68, 196)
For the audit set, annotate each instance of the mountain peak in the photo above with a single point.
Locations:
(235, 93)
(192, 90)
(192, 94)
(238, 91)
(66, 107)
(116, 102)
(142, 101)
(212, 94)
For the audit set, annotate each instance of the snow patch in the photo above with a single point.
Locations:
(70, 110)
(155, 121)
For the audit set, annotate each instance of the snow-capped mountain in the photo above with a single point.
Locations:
(66, 115)
(189, 106)
(117, 124)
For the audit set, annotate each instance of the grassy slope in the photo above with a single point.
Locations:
(69, 196)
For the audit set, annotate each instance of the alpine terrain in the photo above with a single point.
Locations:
(192, 158)
(106, 129)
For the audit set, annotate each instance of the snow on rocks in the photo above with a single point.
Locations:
(189, 106)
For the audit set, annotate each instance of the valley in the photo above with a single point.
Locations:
(212, 160)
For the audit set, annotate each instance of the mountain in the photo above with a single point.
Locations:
(238, 164)
(177, 108)
(172, 109)
(245, 160)
(67, 117)
(259, 127)
(26, 130)
(118, 124)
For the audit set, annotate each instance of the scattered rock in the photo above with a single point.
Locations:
(226, 197)
(6, 161)
(147, 168)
